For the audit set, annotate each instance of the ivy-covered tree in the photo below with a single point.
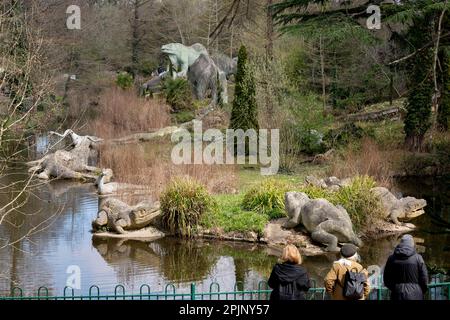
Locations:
(419, 101)
(244, 114)
(443, 117)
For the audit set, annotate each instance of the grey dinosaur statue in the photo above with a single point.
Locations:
(327, 224)
(225, 64)
(204, 75)
(119, 217)
(202, 71)
(405, 208)
(69, 164)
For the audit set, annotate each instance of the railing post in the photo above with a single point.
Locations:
(380, 288)
(192, 291)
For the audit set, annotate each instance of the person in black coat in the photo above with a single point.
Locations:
(405, 273)
(289, 280)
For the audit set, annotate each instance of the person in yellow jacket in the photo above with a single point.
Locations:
(334, 280)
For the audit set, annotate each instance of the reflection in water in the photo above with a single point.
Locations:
(42, 258)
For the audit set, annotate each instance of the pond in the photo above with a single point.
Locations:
(59, 216)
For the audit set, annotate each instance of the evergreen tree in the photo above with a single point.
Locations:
(244, 114)
(419, 101)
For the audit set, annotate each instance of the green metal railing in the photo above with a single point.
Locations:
(437, 291)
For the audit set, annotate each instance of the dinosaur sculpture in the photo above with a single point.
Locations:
(201, 70)
(117, 216)
(405, 208)
(204, 75)
(225, 64)
(182, 57)
(108, 188)
(71, 164)
(327, 224)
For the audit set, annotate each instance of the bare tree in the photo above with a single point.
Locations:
(23, 87)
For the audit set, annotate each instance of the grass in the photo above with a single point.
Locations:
(267, 198)
(231, 217)
(183, 204)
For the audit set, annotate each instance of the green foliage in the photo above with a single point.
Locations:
(183, 204)
(361, 204)
(146, 67)
(124, 80)
(315, 192)
(244, 114)
(443, 118)
(418, 106)
(178, 94)
(267, 198)
(301, 140)
(230, 217)
(184, 116)
(346, 134)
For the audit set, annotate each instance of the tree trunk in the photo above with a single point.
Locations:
(322, 72)
(269, 32)
(135, 37)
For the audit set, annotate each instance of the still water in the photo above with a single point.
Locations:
(59, 216)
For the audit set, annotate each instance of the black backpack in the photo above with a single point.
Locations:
(354, 284)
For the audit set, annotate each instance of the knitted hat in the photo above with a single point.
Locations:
(348, 250)
(407, 239)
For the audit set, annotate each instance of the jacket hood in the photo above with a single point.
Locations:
(406, 247)
(287, 272)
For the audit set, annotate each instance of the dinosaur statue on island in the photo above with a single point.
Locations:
(404, 208)
(117, 216)
(69, 164)
(327, 224)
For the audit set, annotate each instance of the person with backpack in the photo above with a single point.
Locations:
(289, 280)
(347, 279)
(405, 273)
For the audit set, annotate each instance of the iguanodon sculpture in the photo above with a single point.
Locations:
(182, 57)
(201, 70)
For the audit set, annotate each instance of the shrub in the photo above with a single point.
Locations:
(362, 205)
(183, 203)
(315, 192)
(267, 198)
(124, 80)
(178, 94)
(344, 135)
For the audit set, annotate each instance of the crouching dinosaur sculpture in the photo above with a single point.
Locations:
(327, 224)
(117, 216)
(405, 208)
